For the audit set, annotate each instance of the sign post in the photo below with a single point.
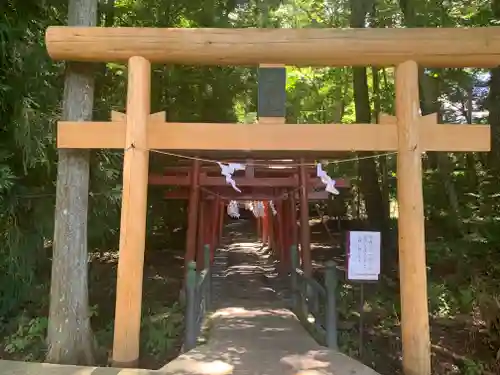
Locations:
(363, 265)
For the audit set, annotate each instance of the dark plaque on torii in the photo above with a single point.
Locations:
(272, 92)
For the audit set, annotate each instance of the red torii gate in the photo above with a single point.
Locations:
(264, 181)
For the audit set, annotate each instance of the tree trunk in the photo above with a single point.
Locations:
(429, 92)
(106, 18)
(493, 104)
(470, 158)
(70, 339)
(429, 88)
(494, 118)
(337, 207)
(382, 161)
(369, 184)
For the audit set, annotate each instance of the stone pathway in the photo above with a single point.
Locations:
(252, 331)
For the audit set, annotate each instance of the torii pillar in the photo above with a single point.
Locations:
(411, 224)
(133, 216)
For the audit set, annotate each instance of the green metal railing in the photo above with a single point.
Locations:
(198, 298)
(310, 299)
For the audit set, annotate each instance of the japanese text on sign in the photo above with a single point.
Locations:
(363, 255)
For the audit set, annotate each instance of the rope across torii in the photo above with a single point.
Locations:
(408, 132)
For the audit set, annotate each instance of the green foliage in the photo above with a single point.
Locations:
(471, 367)
(28, 338)
(28, 106)
(162, 330)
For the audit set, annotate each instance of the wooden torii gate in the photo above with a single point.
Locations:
(408, 133)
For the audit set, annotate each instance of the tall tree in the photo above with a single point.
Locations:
(428, 104)
(70, 338)
(493, 100)
(370, 187)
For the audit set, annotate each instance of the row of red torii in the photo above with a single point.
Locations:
(275, 183)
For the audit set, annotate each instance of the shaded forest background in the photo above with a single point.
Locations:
(461, 190)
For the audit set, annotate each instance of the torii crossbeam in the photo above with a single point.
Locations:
(408, 133)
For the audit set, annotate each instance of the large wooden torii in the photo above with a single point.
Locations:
(408, 132)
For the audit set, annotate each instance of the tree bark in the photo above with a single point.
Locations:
(429, 91)
(106, 18)
(382, 161)
(470, 158)
(494, 118)
(369, 185)
(70, 339)
(492, 104)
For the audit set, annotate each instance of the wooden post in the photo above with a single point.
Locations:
(133, 216)
(331, 304)
(269, 222)
(207, 224)
(276, 231)
(258, 223)
(272, 219)
(412, 263)
(194, 201)
(208, 204)
(206, 230)
(286, 236)
(207, 291)
(190, 334)
(265, 225)
(294, 282)
(305, 235)
(215, 226)
(201, 234)
(221, 220)
(281, 231)
(293, 217)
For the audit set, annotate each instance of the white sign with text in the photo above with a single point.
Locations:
(363, 255)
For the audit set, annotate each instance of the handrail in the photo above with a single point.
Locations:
(309, 297)
(198, 299)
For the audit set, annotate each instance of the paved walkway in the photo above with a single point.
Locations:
(252, 332)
